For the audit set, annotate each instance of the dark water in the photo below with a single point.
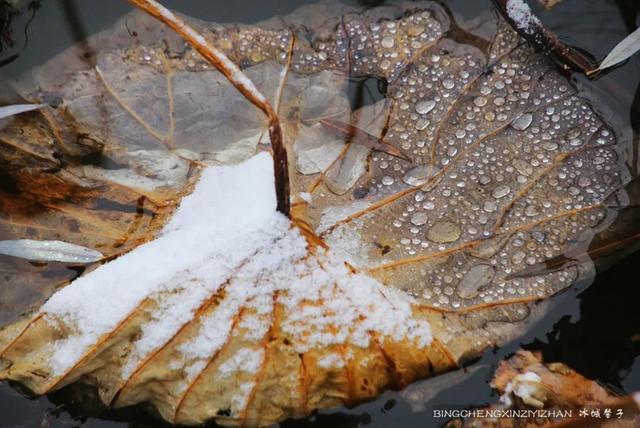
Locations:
(595, 329)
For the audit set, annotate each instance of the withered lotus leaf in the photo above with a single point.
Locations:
(481, 162)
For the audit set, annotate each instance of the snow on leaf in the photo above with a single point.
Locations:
(520, 12)
(388, 271)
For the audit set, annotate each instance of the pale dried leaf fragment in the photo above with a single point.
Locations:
(49, 251)
(622, 51)
(12, 110)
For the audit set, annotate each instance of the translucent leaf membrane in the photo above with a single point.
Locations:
(510, 166)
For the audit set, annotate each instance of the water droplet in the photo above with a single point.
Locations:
(501, 191)
(448, 83)
(419, 218)
(422, 124)
(490, 206)
(425, 106)
(387, 42)
(575, 142)
(531, 211)
(418, 175)
(480, 101)
(573, 133)
(444, 232)
(387, 181)
(518, 257)
(584, 181)
(477, 277)
(522, 122)
(415, 30)
(428, 205)
(523, 167)
(538, 236)
(550, 146)
(484, 179)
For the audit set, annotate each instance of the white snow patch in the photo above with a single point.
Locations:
(521, 14)
(228, 235)
(190, 258)
(526, 386)
(331, 361)
(346, 244)
(239, 401)
(246, 360)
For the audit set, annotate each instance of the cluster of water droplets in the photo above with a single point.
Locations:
(508, 163)
(510, 167)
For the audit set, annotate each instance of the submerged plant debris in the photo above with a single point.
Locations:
(569, 400)
(412, 220)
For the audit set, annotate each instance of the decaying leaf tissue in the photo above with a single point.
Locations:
(225, 238)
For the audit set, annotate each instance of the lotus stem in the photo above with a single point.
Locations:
(241, 82)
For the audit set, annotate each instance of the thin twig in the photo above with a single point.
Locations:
(238, 79)
(548, 42)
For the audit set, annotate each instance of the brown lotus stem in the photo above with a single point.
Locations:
(238, 79)
(548, 42)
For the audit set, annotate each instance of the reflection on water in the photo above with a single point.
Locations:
(595, 330)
